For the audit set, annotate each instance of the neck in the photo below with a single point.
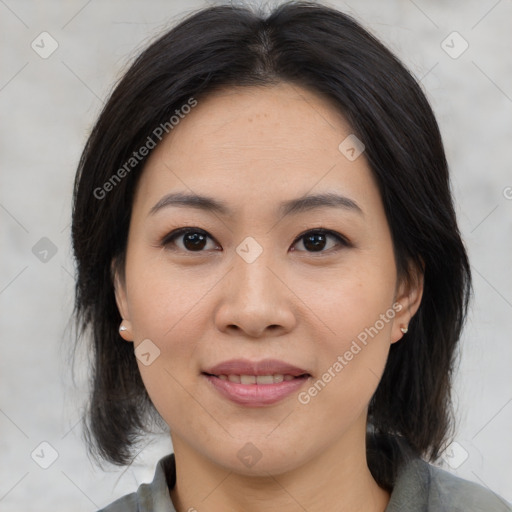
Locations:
(337, 478)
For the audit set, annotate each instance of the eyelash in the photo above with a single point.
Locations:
(342, 241)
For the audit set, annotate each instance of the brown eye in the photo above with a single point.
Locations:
(187, 239)
(196, 240)
(318, 240)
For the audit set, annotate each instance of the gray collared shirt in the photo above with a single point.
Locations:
(419, 487)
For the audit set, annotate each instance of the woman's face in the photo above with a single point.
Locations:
(254, 279)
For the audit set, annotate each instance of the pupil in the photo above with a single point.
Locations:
(310, 243)
(194, 241)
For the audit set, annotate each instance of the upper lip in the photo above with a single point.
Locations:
(264, 367)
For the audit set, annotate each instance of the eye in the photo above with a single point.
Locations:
(316, 240)
(191, 239)
(196, 240)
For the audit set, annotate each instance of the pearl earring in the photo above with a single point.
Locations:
(404, 329)
(122, 328)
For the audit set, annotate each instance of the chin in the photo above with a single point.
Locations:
(253, 459)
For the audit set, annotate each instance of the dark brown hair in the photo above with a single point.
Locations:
(328, 52)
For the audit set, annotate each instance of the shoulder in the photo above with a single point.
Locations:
(420, 486)
(456, 494)
(152, 496)
(127, 503)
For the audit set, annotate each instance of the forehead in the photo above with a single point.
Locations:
(264, 118)
(282, 140)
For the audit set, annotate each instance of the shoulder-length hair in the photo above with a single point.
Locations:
(328, 52)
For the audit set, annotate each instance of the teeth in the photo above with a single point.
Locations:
(247, 379)
(256, 379)
(264, 379)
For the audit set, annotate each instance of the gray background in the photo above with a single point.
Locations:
(48, 107)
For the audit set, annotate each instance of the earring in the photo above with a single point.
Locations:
(125, 331)
(404, 329)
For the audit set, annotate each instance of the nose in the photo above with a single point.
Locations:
(255, 300)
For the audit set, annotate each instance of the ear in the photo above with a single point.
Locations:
(407, 301)
(121, 299)
(119, 288)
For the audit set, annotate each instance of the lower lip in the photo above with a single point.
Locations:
(256, 395)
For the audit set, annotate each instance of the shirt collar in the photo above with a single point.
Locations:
(408, 494)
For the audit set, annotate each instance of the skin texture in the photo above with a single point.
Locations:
(253, 148)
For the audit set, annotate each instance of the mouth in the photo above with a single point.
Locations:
(244, 368)
(261, 380)
(256, 384)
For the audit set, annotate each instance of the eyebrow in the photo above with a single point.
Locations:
(289, 207)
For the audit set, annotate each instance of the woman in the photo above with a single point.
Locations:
(269, 262)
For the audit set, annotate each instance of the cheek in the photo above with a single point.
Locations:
(162, 300)
(353, 358)
(162, 312)
(351, 300)
(167, 312)
(357, 316)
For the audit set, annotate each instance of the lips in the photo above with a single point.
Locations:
(256, 384)
(264, 368)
